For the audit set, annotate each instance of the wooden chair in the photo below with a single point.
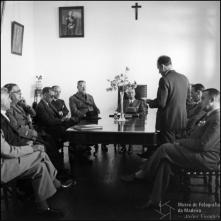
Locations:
(185, 176)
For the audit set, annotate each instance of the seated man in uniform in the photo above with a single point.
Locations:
(196, 94)
(82, 105)
(201, 150)
(20, 120)
(195, 111)
(59, 103)
(21, 158)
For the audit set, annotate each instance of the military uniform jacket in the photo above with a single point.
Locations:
(80, 105)
(20, 121)
(11, 134)
(204, 141)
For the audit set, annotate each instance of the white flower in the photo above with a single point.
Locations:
(121, 81)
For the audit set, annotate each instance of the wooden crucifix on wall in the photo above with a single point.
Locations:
(136, 6)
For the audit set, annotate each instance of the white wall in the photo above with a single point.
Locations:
(14, 68)
(187, 31)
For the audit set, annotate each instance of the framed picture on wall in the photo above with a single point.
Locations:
(17, 33)
(71, 22)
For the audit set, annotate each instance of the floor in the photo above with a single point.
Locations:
(100, 195)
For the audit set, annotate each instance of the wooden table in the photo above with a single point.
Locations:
(132, 131)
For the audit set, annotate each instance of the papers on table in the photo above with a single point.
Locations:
(85, 127)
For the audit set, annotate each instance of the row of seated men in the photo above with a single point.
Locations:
(63, 123)
(24, 157)
(30, 147)
(46, 136)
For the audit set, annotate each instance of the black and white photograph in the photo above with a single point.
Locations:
(110, 110)
(17, 38)
(71, 21)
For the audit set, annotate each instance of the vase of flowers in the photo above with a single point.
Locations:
(39, 82)
(38, 89)
(122, 84)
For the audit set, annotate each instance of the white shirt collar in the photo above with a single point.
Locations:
(3, 112)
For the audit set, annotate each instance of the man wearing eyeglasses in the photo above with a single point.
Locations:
(20, 120)
(20, 113)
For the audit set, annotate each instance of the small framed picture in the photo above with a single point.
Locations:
(71, 21)
(17, 33)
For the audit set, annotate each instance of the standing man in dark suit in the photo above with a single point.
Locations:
(201, 150)
(59, 103)
(171, 101)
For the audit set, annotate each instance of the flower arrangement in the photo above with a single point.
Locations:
(38, 82)
(121, 81)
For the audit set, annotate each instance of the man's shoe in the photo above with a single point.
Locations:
(50, 213)
(130, 178)
(68, 183)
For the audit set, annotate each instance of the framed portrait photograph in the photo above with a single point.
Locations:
(17, 33)
(71, 21)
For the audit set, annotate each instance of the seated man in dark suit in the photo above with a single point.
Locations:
(59, 103)
(82, 105)
(20, 120)
(48, 119)
(132, 105)
(21, 158)
(201, 150)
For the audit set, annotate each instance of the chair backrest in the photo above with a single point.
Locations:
(141, 91)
